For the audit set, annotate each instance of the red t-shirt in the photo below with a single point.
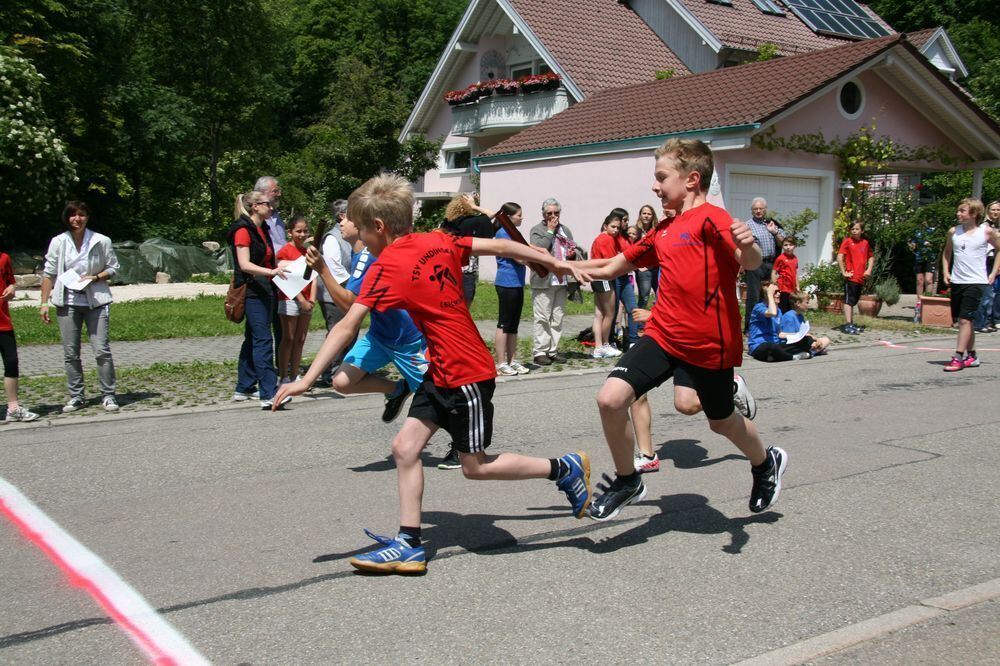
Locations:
(289, 252)
(242, 239)
(856, 256)
(696, 317)
(6, 279)
(787, 269)
(422, 274)
(604, 247)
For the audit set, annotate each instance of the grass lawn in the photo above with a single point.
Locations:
(159, 319)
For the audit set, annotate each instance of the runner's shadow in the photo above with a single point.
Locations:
(686, 454)
(687, 513)
(475, 533)
(427, 459)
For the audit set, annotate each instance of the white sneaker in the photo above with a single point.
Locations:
(645, 465)
(243, 397)
(110, 404)
(20, 415)
(611, 352)
(742, 398)
(505, 370)
(600, 352)
(266, 404)
(73, 405)
(521, 370)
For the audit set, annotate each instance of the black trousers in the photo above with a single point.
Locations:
(753, 278)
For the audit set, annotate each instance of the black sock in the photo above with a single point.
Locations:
(959, 354)
(971, 353)
(764, 465)
(558, 469)
(629, 479)
(409, 535)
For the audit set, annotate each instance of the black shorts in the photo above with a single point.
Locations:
(601, 286)
(511, 301)
(8, 352)
(466, 412)
(647, 365)
(852, 292)
(923, 266)
(965, 300)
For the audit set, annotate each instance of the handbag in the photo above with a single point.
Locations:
(235, 304)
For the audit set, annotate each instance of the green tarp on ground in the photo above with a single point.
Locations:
(141, 262)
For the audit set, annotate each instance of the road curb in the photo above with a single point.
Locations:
(876, 627)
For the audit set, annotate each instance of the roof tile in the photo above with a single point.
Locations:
(585, 37)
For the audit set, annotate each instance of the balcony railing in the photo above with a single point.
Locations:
(501, 113)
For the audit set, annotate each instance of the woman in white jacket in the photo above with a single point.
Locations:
(78, 266)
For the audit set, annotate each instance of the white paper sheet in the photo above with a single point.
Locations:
(795, 337)
(293, 282)
(71, 280)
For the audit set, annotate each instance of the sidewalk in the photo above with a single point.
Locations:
(48, 360)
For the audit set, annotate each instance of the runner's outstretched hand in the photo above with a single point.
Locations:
(742, 235)
(294, 388)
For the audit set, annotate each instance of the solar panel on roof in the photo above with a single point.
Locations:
(769, 7)
(837, 17)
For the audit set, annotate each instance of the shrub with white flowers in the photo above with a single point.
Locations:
(35, 170)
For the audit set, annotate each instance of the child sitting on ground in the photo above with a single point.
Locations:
(795, 331)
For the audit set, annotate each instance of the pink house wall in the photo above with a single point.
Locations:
(892, 114)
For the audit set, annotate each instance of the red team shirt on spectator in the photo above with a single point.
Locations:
(787, 269)
(422, 274)
(289, 252)
(604, 247)
(856, 256)
(696, 318)
(6, 279)
(242, 239)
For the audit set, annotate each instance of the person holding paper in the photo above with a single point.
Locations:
(78, 266)
(255, 266)
(295, 312)
(795, 330)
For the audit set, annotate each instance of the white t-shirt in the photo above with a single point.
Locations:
(969, 250)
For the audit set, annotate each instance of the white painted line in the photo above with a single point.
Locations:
(891, 345)
(876, 627)
(161, 643)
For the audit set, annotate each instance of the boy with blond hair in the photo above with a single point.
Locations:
(422, 274)
(694, 329)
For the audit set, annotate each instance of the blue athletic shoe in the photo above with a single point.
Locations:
(576, 484)
(394, 557)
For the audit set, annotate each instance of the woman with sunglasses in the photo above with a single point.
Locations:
(255, 266)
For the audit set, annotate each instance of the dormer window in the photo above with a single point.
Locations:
(769, 7)
(724, 3)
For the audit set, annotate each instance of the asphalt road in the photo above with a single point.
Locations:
(237, 524)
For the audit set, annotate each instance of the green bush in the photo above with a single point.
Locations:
(887, 290)
(823, 277)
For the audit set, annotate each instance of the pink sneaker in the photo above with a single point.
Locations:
(971, 362)
(644, 465)
(955, 365)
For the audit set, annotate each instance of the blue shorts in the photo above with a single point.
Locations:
(370, 355)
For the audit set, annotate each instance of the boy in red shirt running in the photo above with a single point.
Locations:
(422, 274)
(856, 261)
(694, 328)
(785, 274)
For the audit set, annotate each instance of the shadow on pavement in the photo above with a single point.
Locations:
(686, 454)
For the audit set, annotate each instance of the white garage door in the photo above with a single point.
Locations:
(785, 196)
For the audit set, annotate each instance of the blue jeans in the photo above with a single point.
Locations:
(647, 282)
(989, 307)
(625, 297)
(256, 365)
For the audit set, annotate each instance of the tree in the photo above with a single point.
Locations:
(34, 167)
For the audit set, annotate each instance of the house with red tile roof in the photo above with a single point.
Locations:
(613, 59)
(598, 154)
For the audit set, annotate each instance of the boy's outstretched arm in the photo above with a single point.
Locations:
(606, 269)
(747, 250)
(336, 340)
(529, 253)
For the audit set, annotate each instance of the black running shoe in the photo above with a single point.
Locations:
(615, 496)
(451, 460)
(393, 406)
(767, 483)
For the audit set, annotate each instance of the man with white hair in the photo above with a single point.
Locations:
(268, 186)
(549, 293)
(769, 236)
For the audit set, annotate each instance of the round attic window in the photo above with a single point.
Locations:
(851, 99)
